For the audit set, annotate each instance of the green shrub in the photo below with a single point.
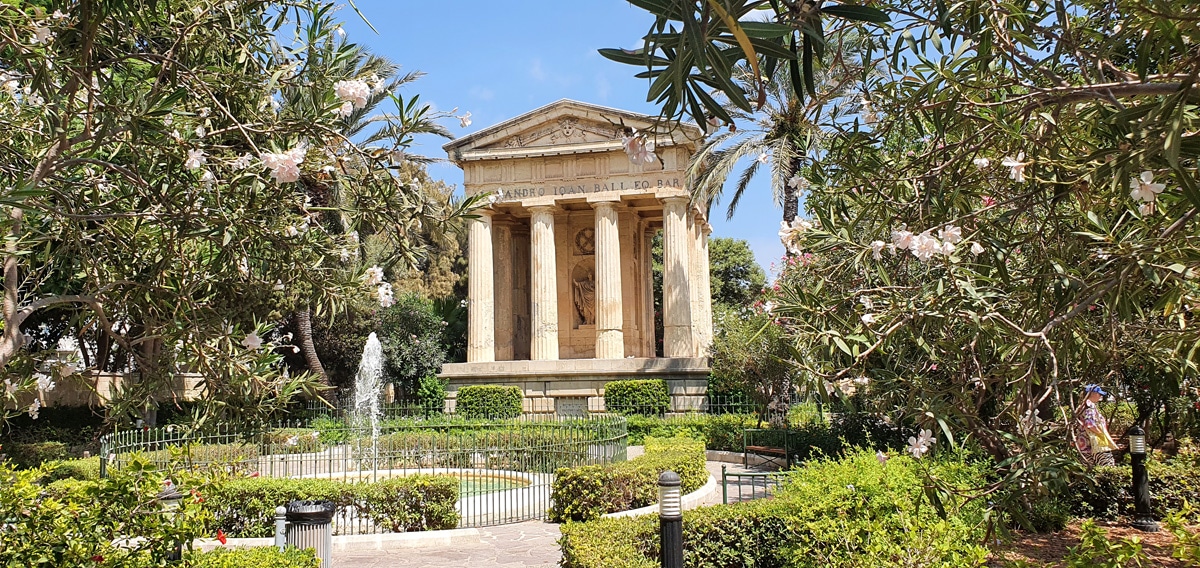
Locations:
(646, 397)
(1172, 484)
(30, 455)
(292, 441)
(74, 523)
(489, 401)
(245, 507)
(412, 503)
(82, 469)
(851, 512)
(523, 447)
(1048, 515)
(1101, 493)
(265, 557)
(588, 492)
(431, 394)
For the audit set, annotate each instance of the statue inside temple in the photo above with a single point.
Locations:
(585, 298)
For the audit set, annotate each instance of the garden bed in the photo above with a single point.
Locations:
(1051, 548)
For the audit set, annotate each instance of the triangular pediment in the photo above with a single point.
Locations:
(562, 126)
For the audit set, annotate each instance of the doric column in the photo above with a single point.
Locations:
(677, 297)
(544, 286)
(502, 239)
(703, 281)
(481, 313)
(610, 339)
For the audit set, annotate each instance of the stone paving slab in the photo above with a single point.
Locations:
(532, 544)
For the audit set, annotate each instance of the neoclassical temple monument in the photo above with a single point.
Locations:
(559, 269)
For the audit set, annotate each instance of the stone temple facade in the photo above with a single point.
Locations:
(559, 270)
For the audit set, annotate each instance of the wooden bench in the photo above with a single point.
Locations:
(774, 454)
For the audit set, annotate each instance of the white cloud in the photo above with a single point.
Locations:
(482, 93)
(603, 87)
(536, 71)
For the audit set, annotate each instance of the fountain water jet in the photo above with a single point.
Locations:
(368, 390)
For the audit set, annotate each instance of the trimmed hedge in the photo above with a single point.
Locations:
(850, 512)
(85, 469)
(31, 455)
(526, 447)
(492, 402)
(245, 507)
(647, 397)
(265, 557)
(591, 491)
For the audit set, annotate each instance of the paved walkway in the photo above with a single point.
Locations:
(531, 544)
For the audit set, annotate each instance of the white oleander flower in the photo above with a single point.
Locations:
(355, 91)
(208, 178)
(764, 158)
(877, 249)
(34, 407)
(1146, 209)
(797, 183)
(981, 163)
(947, 248)
(10, 82)
(950, 234)
(200, 131)
(345, 110)
(242, 162)
(195, 159)
(374, 276)
(924, 246)
(41, 34)
(868, 319)
(902, 239)
(639, 150)
(285, 166)
(1017, 165)
(465, 120)
(252, 341)
(58, 15)
(44, 382)
(976, 248)
(386, 299)
(918, 446)
(243, 266)
(291, 231)
(1143, 188)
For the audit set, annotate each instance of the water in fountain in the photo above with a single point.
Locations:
(368, 390)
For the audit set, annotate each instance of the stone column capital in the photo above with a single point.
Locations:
(677, 200)
(543, 209)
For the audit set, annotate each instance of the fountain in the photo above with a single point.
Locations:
(368, 390)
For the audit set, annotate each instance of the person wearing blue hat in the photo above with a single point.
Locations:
(1094, 440)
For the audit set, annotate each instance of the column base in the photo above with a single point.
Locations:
(610, 344)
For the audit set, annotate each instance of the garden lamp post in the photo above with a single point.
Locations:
(1142, 521)
(169, 499)
(670, 519)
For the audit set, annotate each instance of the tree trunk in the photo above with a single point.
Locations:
(304, 332)
(791, 196)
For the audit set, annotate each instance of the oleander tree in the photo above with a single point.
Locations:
(157, 187)
(1017, 219)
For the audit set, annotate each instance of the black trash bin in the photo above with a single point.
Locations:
(310, 525)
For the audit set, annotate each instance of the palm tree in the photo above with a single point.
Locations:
(785, 135)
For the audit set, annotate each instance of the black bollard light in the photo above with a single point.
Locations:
(670, 519)
(1142, 519)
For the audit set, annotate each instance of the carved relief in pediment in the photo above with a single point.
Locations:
(566, 130)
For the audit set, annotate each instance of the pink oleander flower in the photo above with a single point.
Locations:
(285, 166)
(877, 249)
(950, 234)
(355, 91)
(924, 246)
(639, 150)
(902, 239)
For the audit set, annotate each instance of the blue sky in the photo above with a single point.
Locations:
(499, 59)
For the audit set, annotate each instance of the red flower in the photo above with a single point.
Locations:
(255, 474)
(97, 558)
(221, 536)
(197, 497)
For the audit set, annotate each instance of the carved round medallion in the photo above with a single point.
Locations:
(585, 241)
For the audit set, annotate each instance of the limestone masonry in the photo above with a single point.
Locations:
(559, 270)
